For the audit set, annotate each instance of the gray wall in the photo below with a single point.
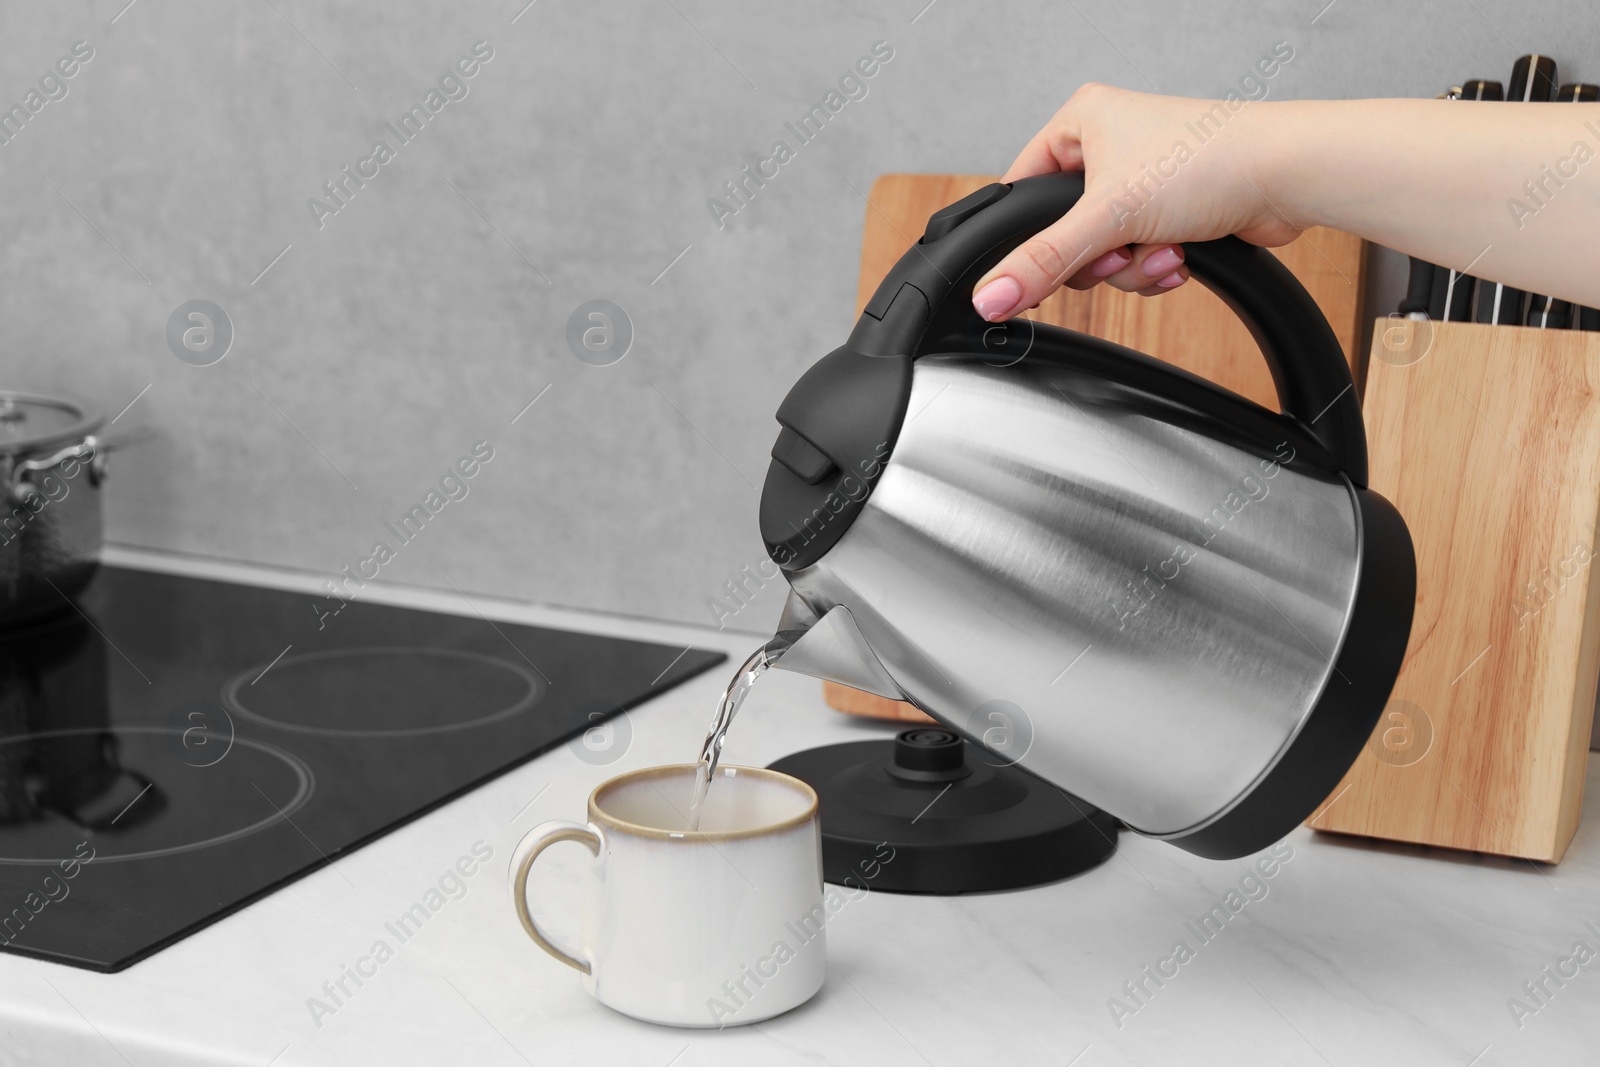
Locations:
(410, 325)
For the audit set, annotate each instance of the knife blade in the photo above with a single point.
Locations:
(1533, 80)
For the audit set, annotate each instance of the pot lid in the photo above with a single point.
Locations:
(30, 422)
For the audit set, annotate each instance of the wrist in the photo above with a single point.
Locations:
(1282, 164)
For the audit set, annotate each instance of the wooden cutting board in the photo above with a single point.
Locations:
(1489, 444)
(1189, 328)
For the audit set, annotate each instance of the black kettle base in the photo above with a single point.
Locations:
(929, 813)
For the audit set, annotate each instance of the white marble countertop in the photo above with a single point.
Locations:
(1358, 953)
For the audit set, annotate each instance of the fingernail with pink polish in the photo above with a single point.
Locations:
(1172, 281)
(1163, 262)
(997, 298)
(1110, 263)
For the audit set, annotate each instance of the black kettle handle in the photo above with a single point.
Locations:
(925, 303)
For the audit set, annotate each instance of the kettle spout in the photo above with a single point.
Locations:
(830, 647)
(797, 617)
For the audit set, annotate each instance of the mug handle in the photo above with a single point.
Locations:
(536, 841)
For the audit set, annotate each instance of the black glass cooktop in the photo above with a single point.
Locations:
(179, 748)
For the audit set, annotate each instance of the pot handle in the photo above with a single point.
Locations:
(23, 490)
(924, 305)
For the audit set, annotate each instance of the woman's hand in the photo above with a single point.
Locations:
(1159, 170)
(1506, 191)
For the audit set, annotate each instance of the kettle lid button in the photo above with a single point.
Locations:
(808, 462)
(941, 222)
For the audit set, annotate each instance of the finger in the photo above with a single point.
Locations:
(1150, 265)
(1038, 266)
(1056, 147)
(1100, 269)
(1167, 284)
(1269, 234)
(1036, 157)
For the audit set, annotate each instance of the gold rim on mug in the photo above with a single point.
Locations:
(611, 822)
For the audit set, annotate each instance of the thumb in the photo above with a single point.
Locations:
(1044, 262)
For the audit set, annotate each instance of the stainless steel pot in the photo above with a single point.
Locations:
(51, 467)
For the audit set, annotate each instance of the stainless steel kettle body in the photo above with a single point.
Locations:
(1165, 599)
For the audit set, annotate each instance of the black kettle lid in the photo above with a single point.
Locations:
(927, 812)
(838, 425)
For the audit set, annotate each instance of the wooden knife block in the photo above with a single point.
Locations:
(1489, 445)
(1189, 327)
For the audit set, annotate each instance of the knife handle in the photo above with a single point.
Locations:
(1548, 313)
(1419, 288)
(1456, 303)
(1499, 304)
(1586, 318)
(1533, 79)
(1458, 290)
(1577, 93)
(1436, 294)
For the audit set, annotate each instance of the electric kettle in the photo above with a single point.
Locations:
(1159, 596)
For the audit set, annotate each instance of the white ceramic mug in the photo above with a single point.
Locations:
(716, 927)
